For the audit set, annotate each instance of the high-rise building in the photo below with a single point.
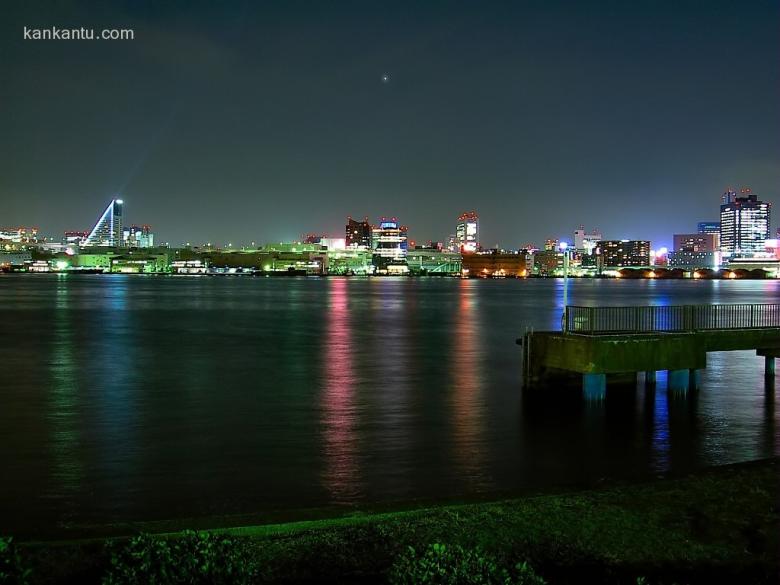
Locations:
(552, 244)
(358, 234)
(701, 242)
(622, 253)
(389, 241)
(744, 223)
(709, 227)
(467, 232)
(586, 242)
(108, 229)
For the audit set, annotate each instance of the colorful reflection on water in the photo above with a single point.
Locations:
(129, 398)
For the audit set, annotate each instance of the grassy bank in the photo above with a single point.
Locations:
(718, 526)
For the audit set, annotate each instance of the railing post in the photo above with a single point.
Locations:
(688, 318)
(752, 316)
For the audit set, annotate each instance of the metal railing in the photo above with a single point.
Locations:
(668, 319)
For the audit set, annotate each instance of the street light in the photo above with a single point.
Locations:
(564, 247)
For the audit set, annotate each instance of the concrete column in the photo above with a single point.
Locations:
(650, 378)
(769, 367)
(594, 386)
(679, 380)
(694, 379)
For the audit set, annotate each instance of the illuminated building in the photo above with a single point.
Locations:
(349, 261)
(496, 264)
(75, 237)
(622, 253)
(93, 261)
(358, 234)
(138, 237)
(108, 229)
(430, 260)
(586, 242)
(467, 232)
(289, 258)
(701, 242)
(333, 243)
(692, 260)
(452, 244)
(709, 227)
(141, 263)
(744, 224)
(548, 262)
(19, 235)
(190, 267)
(389, 241)
(8, 260)
(552, 244)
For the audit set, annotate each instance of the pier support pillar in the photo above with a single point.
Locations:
(594, 386)
(769, 366)
(679, 380)
(694, 379)
(650, 378)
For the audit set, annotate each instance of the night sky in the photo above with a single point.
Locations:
(234, 122)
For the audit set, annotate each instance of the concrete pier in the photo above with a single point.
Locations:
(610, 359)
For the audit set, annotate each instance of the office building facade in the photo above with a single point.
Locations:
(358, 234)
(623, 253)
(744, 224)
(467, 232)
(586, 242)
(700, 242)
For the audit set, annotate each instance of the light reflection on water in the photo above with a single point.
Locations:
(128, 398)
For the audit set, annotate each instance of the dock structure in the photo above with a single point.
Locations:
(603, 343)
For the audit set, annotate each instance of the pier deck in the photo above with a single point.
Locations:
(599, 341)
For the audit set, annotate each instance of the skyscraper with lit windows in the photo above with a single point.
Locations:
(389, 241)
(744, 223)
(467, 232)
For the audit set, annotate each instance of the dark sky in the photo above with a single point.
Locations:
(264, 120)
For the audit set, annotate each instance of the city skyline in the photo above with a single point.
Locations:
(265, 122)
(568, 236)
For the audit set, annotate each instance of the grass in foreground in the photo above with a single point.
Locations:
(720, 526)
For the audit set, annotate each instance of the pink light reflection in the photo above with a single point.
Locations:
(339, 414)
